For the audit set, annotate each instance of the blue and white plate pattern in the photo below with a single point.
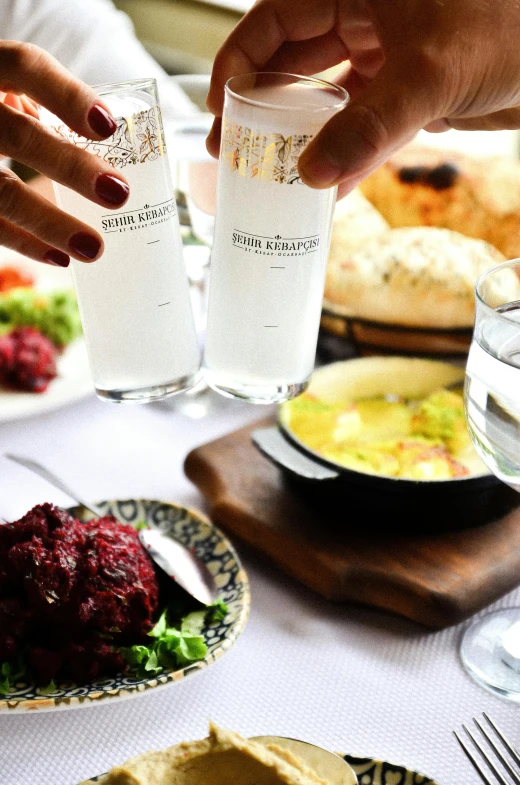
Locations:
(369, 772)
(194, 530)
(379, 772)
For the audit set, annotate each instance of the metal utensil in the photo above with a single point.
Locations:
(327, 765)
(37, 468)
(177, 561)
(506, 774)
(180, 564)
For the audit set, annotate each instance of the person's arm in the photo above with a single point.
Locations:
(414, 64)
(93, 40)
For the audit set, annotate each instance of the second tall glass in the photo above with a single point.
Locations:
(271, 239)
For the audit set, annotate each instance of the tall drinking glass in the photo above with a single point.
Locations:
(196, 170)
(195, 176)
(271, 238)
(134, 301)
(490, 648)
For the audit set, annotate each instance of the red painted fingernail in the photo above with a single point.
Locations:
(57, 257)
(111, 189)
(100, 121)
(85, 245)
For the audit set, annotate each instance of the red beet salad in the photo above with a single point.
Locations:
(71, 593)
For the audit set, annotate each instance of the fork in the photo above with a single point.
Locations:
(498, 752)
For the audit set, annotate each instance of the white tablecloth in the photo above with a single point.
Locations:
(345, 677)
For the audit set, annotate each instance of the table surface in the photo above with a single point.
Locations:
(348, 678)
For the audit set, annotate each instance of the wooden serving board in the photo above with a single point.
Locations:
(437, 580)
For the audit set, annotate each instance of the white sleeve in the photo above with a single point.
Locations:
(93, 40)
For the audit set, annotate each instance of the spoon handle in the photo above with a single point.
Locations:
(37, 468)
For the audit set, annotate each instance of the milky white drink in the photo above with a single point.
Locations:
(134, 301)
(271, 239)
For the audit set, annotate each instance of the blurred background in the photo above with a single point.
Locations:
(184, 35)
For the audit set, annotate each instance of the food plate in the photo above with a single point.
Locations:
(369, 771)
(72, 383)
(392, 501)
(74, 380)
(194, 530)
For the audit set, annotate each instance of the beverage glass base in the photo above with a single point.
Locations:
(485, 658)
(148, 394)
(255, 393)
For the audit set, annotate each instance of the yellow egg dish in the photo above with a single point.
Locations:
(408, 426)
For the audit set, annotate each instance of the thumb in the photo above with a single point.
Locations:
(382, 117)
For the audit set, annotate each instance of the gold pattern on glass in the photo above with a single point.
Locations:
(266, 157)
(138, 138)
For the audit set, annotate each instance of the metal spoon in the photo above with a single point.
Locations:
(177, 561)
(327, 765)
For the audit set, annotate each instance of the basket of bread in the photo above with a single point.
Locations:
(407, 248)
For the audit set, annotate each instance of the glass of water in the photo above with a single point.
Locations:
(195, 176)
(271, 240)
(490, 648)
(134, 301)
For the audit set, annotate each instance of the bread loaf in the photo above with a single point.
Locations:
(421, 277)
(478, 197)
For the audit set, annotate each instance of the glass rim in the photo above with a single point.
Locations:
(110, 88)
(340, 91)
(481, 280)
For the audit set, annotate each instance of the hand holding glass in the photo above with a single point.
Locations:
(271, 239)
(134, 301)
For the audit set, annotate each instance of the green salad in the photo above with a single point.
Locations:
(174, 645)
(55, 314)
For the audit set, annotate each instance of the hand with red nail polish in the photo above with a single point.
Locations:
(412, 64)
(29, 223)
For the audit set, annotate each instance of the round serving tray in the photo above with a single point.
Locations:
(343, 335)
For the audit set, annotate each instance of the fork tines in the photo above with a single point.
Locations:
(498, 753)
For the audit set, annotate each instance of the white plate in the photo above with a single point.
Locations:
(74, 380)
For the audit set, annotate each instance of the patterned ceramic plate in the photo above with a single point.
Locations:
(378, 772)
(369, 772)
(197, 532)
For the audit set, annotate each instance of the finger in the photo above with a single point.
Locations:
(437, 126)
(28, 142)
(259, 35)
(14, 101)
(34, 214)
(22, 104)
(25, 68)
(344, 189)
(380, 119)
(368, 62)
(213, 140)
(30, 107)
(352, 81)
(506, 119)
(309, 57)
(16, 239)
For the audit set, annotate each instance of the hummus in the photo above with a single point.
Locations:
(223, 758)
